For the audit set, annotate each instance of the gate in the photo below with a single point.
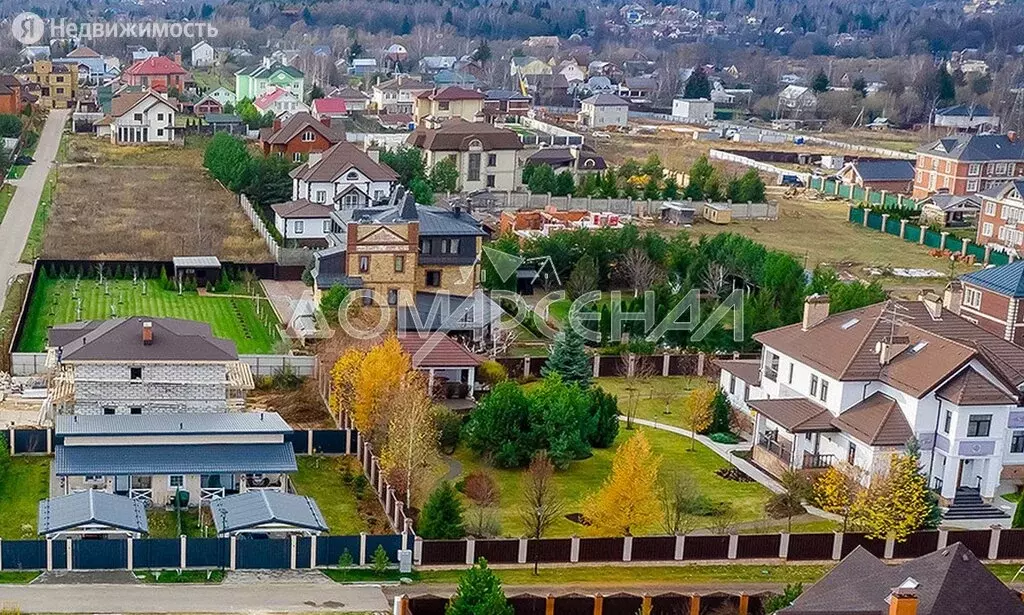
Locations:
(99, 554)
(267, 553)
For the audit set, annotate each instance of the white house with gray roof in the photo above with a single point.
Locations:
(603, 110)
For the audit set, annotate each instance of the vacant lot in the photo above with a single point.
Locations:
(152, 202)
(231, 317)
(25, 482)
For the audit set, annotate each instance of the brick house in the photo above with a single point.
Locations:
(208, 105)
(56, 85)
(993, 298)
(157, 73)
(299, 136)
(1001, 218)
(967, 164)
(435, 107)
(11, 95)
(505, 104)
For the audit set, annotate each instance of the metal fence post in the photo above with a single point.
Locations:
(182, 554)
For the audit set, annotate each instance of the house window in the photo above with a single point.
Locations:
(972, 185)
(974, 169)
(399, 264)
(851, 453)
(986, 229)
(392, 296)
(108, 411)
(352, 176)
(490, 181)
(94, 479)
(979, 425)
(1017, 442)
(814, 385)
(308, 136)
(321, 196)
(159, 132)
(492, 160)
(138, 117)
(60, 91)
(351, 200)
(327, 226)
(473, 174)
(300, 227)
(135, 373)
(990, 208)
(426, 246)
(732, 384)
(771, 370)
(433, 278)
(972, 297)
(1001, 168)
(159, 117)
(135, 410)
(948, 422)
(297, 157)
(175, 481)
(449, 246)
(443, 105)
(364, 264)
(824, 391)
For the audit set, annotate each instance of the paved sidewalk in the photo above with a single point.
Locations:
(17, 222)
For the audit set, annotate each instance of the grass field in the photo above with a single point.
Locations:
(35, 235)
(145, 202)
(164, 523)
(651, 396)
(25, 482)
(180, 576)
(586, 476)
(6, 194)
(320, 479)
(232, 318)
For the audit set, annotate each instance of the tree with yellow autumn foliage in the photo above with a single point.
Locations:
(896, 504)
(835, 491)
(628, 500)
(410, 451)
(343, 391)
(697, 412)
(363, 382)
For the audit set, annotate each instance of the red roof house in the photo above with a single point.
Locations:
(329, 107)
(158, 73)
(298, 136)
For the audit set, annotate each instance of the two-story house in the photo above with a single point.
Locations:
(279, 101)
(796, 101)
(342, 177)
(485, 155)
(397, 95)
(299, 136)
(158, 73)
(505, 105)
(253, 82)
(94, 64)
(139, 117)
(967, 164)
(1001, 217)
(993, 299)
(434, 107)
(852, 389)
(603, 110)
(147, 407)
(421, 262)
(57, 83)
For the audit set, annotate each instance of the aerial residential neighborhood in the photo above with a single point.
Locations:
(514, 308)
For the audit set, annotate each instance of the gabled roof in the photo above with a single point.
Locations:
(747, 370)
(457, 134)
(970, 388)
(253, 509)
(606, 100)
(437, 350)
(884, 170)
(263, 72)
(1013, 189)
(120, 339)
(339, 160)
(123, 103)
(300, 122)
(976, 148)
(965, 111)
(157, 65)
(505, 95)
(330, 105)
(953, 202)
(301, 208)
(271, 96)
(1007, 280)
(68, 512)
(453, 92)
(876, 420)
(186, 423)
(349, 93)
(402, 83)
(950, 581)
(83, 52)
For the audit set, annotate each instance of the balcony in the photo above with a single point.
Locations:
(817, 461)
(780, 448)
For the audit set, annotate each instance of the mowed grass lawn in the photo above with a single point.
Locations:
(584, 477)
(321, 479)
(656, 399)
(231, 318)
(22, 486)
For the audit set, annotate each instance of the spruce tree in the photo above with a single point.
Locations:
(479, 593)
(569, 359)
(441, 518)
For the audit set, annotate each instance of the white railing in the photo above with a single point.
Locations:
(207, 494)
(146, 495)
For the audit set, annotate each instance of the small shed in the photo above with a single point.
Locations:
(951, 210)
(717, 213)
(678, 213)
(203, 268)
(92, 514)
(267, 512)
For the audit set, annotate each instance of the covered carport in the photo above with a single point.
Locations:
(270, 513)
(92, 514)
(203, 268)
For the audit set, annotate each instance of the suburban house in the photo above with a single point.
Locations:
(693, 109)
(796, 100)
(431, 65)
(252, 82)
(484, 154)
(433, 108)
(993, 298)
(603, 110)
(398, 95)
(548, 89)
(94, 64)
(895, 176)
(947, 581)
(279, 101)
(950, 210)
(14, 95)
(638, 90)
(139, 117)
(329, 108)
(57, 83)
(578, 160)
(362, 67)
(505, 105)
(851, 389)
(342, 177)
(523, 66)
(1001, 218)
(355, 101)
(298, 136)
(207, 105)
(224, 96)
(966, 118)
(203, 54)
(449, 366)
(422, 261)
(157, 73)
(967, 164)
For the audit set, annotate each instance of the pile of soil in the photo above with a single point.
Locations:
(734, 474)
(577, 518)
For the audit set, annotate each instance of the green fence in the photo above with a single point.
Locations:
(857, 215)
(875, 220)
(998, 258)
(932, 239)
(892, 226)
(912, 233)
(859, 194)
(977, 252)
(954, 244)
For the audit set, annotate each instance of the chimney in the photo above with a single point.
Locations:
(953, 296)
(325, 120)
(815, 310)
(890, 347)
(457, 211)
(277, 124)
(903, 601)
(147, 333)
(177, 57)
(933, 302)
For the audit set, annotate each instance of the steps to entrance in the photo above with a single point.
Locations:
(967, 504)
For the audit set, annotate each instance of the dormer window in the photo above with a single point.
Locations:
(352, 176)
(308, 136)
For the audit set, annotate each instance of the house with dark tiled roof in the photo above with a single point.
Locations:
(397, 95)
(966, 118)
(1001, 217)
(485, 155)
(445, 362)
(603, 110)
(852, 389)
(896, 176)
(501, 105)
(578, 160)
(968, 163)
(300, 135)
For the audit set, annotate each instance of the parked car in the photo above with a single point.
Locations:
(791, 180)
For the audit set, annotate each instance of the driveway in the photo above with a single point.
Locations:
(16, 224)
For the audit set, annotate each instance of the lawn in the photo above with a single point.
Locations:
(180, 576)
(164, 523)
(22, 486)
(232, 318)
(35, 235)
(321, 479)
(9, 316)
(597, 576)
(17, 577)
(586, 476)
(657, 399)
(6, 194)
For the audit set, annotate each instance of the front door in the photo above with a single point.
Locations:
(122, 483)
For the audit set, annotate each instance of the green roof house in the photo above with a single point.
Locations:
(255, 81)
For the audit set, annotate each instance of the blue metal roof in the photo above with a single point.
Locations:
(885, 170)
(69, 512)
(1006, 279)
(165, 459)
(256, 508)
(177, 423)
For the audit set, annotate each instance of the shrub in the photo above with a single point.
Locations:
(332, 300)
(491, 373)
(604, 411)
(724, 437)
(449, 429)
(441, 517)
(1018, 512)
(286, 378)
(501, 426)
(480, 488)
(380, 561)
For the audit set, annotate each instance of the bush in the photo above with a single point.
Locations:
(491, 373)
(604, 411)
(286, 378)
(721, 414)
(702, 506)
(332, 300)
(724, 437)
(441, 517)
(501, 426)
(449, 429)
(380, 561)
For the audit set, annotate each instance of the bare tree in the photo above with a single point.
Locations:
(677, 495)
(639, 379)
(714, 279)
(541, 505)
(640, 271)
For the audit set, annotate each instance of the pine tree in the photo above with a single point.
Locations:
(569, 359)
(479, 593)
(628, 500)
(651, 189)
(697, 85)
(671, 190)
(441, 517)
(820, 82)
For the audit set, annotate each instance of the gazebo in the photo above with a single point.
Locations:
(202, 268)
(267, 512)
(92, 513)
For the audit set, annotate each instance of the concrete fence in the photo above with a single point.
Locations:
(717, 154)
(660, 603)
(34, 364)
(286, 257)
(630, 207)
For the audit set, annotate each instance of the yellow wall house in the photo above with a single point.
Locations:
(485, 155)
(433, 108)
(58, 83)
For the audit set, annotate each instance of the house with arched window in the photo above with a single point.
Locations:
(484, 154)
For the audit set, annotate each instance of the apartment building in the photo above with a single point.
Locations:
(967, 164)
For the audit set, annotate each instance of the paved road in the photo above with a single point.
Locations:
(18, 221)
(228, 598)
